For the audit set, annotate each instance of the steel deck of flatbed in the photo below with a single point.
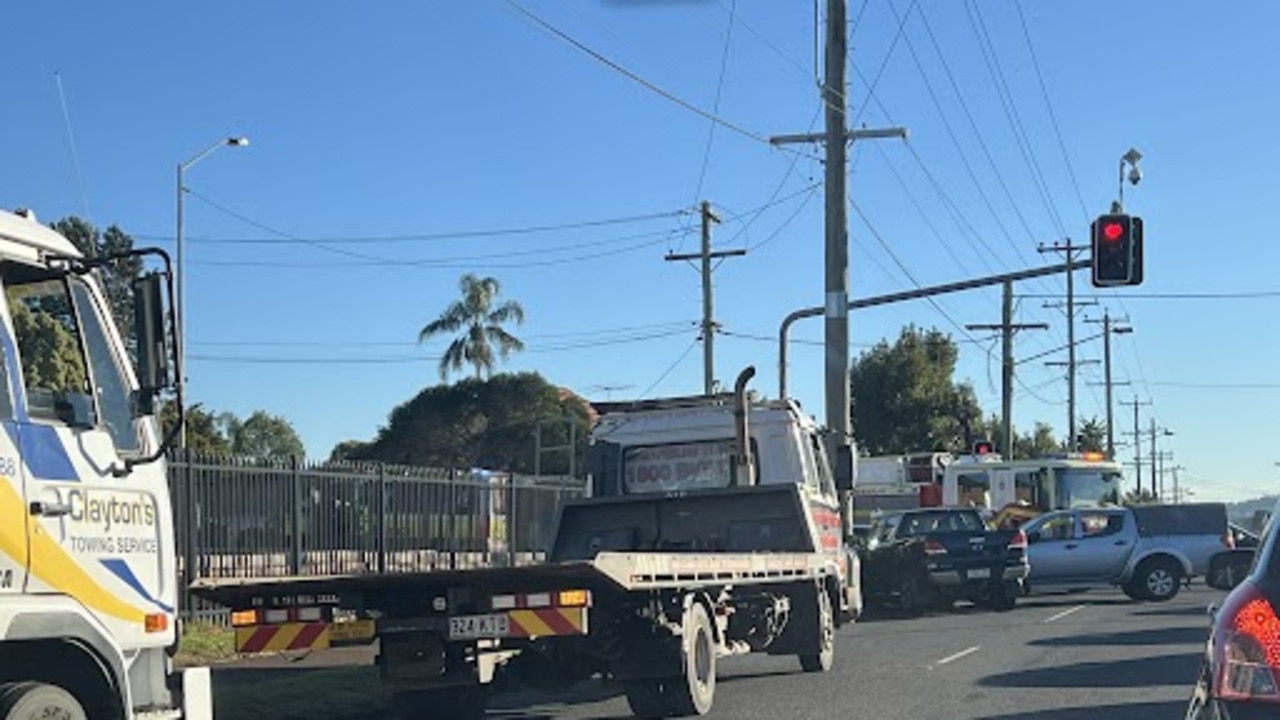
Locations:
(622, 571)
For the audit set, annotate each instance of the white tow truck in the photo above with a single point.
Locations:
(714, 529)
(88, 578)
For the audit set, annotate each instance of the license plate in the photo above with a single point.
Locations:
(354, 631)
(978, 573)
(472, 627)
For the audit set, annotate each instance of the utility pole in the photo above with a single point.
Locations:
(837, 136)
(1137, 440)
(1007, 328)
(1177, 489)
(1069, 251)
(708, 309)
(1155, 456)
(1107, 330)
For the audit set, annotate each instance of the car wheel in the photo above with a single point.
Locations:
(1159, 579)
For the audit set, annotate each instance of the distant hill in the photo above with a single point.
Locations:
(1243, 511)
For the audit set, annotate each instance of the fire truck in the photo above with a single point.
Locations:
(1014, 491)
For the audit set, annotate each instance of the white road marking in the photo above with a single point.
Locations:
(1065, 613)
(952, 658)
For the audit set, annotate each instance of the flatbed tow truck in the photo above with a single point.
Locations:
(714, 529)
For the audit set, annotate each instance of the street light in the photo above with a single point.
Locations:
(180, 310)
(1131, 159)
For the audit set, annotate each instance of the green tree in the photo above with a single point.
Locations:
(346, 450)
(1093, 435)
(480, 321)
(116, 277)
(905, 398)
(204, 431)
(1038, 443)
(51, 357)
(262, 435)
(482, 423)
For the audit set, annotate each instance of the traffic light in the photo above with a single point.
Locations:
(1117, 250)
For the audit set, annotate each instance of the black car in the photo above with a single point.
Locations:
(1240, 677)
(932, 557)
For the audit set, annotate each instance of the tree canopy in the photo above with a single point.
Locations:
(261, 435)
(479, 320)
(906, 399)
(487, 423)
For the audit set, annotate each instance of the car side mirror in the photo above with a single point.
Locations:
(149, 327)
(1033, 536)
(844, 469)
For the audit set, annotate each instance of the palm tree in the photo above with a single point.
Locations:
(481, 325)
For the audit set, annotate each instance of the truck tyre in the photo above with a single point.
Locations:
(1133, 590)
(38, 701)
(1159, 578)
(698, 653)
(826, 627)
(646, 699)
(465, 702)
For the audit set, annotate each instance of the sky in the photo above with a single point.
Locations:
(396, 145)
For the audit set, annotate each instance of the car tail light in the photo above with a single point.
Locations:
(933, 547)
(1019, 541)
(1248, 648)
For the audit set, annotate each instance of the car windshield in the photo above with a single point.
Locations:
(1080, 487)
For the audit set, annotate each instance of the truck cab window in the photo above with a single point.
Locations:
(70, 372)
(109, 379)
(54, 371)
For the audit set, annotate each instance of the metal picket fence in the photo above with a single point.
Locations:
(254, 518)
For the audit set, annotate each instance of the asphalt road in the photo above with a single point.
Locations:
(1089, 656)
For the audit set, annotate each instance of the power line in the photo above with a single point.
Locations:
(790, 218)
(1053, 117)
(670, 369)
(548, 27)
(396, 359)
(625, 330)
(1007, 103)
(425, 236)
(871, 88)
(715, 107)
(1241, 295)
(964, 159)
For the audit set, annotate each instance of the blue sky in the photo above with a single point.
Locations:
(412, 120)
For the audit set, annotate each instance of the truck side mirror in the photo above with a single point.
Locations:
(149, 329)
(844, 468)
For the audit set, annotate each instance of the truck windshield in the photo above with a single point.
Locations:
(1087, 487)
(684, 466)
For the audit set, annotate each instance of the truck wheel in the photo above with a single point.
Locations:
(646, 699)
(463, 703)
(1159, 579)
(38, 701)
(826, 655)
(698, 651)
(1133, 590)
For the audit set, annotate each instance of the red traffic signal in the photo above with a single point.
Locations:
(1117, 250)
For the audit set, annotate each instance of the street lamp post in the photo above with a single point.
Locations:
(180, 309)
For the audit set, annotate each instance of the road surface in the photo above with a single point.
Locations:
(1089, 656)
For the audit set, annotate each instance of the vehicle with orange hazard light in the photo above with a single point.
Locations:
(713, 528)
(88, 617)
(1015, 491)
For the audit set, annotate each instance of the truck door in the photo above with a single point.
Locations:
(13, 495)
(1052, 548)
(94, 535)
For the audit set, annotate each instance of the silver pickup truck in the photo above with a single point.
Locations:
(1147, 550)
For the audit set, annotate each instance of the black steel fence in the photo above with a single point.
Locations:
(268, 518)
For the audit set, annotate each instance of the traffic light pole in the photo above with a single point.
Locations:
(784, 332)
